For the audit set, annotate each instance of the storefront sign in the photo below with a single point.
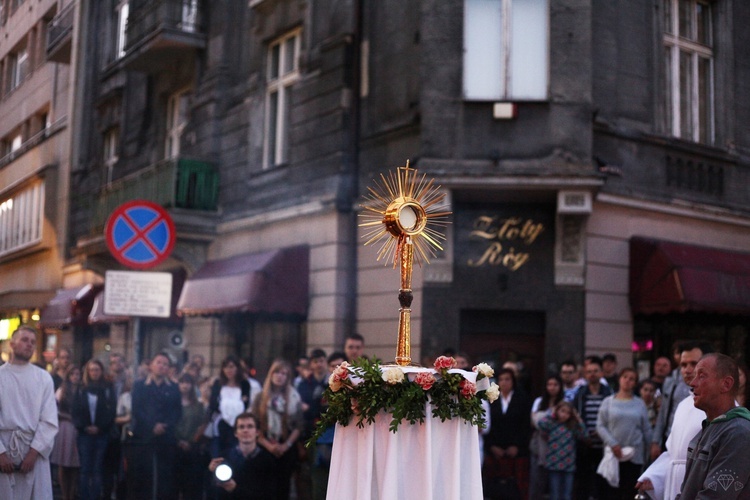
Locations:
(509, 240)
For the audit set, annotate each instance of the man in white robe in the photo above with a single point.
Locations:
(28, 423)
(663, 478)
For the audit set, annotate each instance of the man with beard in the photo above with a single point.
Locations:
(28, 423)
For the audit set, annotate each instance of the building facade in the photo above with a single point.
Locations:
(36, 99)
(575, 141)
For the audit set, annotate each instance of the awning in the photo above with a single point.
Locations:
(273, 282)
(25, 299)
(70, 306)
(670, 277)
(97, 316)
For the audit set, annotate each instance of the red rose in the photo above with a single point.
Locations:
(425, 380)
(468, 388)
(341, 372)
(445, 363)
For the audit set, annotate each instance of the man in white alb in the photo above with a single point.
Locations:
(28, 423)
(663, 478)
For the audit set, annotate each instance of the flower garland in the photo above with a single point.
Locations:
(362, 389)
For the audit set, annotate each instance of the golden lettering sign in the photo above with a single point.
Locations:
(504, 235)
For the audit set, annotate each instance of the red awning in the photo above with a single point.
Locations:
(70, 306)
(273, 282)
(97, 314)
(670, 277)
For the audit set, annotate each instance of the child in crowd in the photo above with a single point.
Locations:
(562, 427)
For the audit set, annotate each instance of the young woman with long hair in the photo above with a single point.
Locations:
(93, 416)
(65, 452)
(230, 396)
(279, 410)
(542, 407)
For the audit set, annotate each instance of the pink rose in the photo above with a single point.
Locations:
(425, 380)
(445, 363)
(468, 388)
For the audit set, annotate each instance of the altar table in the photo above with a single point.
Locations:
(431, 461)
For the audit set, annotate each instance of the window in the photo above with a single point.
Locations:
(122, 11)
(16, 142)
(506, 50)
(189, 20)
(177, 117)
(282, 72)
(19, 67)
(688, 56)
(21, 218)
(111, 148)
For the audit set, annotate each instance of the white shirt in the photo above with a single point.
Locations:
(668, 471)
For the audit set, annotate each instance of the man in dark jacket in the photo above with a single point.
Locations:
(157, 408)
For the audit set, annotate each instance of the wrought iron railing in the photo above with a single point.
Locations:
(179, 183)
(148, 17)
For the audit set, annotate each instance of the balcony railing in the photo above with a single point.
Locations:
(177, 183)
(60, 35)
(149, 19)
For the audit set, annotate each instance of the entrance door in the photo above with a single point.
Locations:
(495, 337)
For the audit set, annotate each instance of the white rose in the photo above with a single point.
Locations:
(484, 369)
(492, 392)
(393, 376)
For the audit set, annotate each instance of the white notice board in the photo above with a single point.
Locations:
(138, 293)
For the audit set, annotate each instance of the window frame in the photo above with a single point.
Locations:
(122, 14)
(505, 45)
(22, 219)
(176, 121)
(675, 45)
(110, 151)
(276, 127)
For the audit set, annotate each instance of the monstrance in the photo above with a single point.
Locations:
(399, 212)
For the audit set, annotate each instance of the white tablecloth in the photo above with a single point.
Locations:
(436, 460)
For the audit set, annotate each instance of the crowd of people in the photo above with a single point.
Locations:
(600, 433)
(159, 432)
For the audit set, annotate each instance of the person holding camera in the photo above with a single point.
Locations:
(252, 467)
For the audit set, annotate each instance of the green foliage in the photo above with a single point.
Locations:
(365, 393)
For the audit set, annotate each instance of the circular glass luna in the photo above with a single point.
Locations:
(223, 472)
(405, 217)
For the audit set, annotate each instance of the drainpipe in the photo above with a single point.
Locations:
(348, 185)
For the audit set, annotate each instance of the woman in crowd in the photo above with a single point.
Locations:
(507, 443)
(542, 407)
(623, 422)
(279, 410)
(230, 396)
(94, 416)
(188, 432)
(65, 452)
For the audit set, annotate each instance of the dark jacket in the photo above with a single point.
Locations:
(512, 428)
(154, 404)
(104, 416)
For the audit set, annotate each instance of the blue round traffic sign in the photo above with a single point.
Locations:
(140, 234)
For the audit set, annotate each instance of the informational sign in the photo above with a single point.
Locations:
(138, 293)
(140, 234)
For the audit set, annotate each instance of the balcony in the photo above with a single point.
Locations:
(163, 30)
(60, 35)
(180, 183)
